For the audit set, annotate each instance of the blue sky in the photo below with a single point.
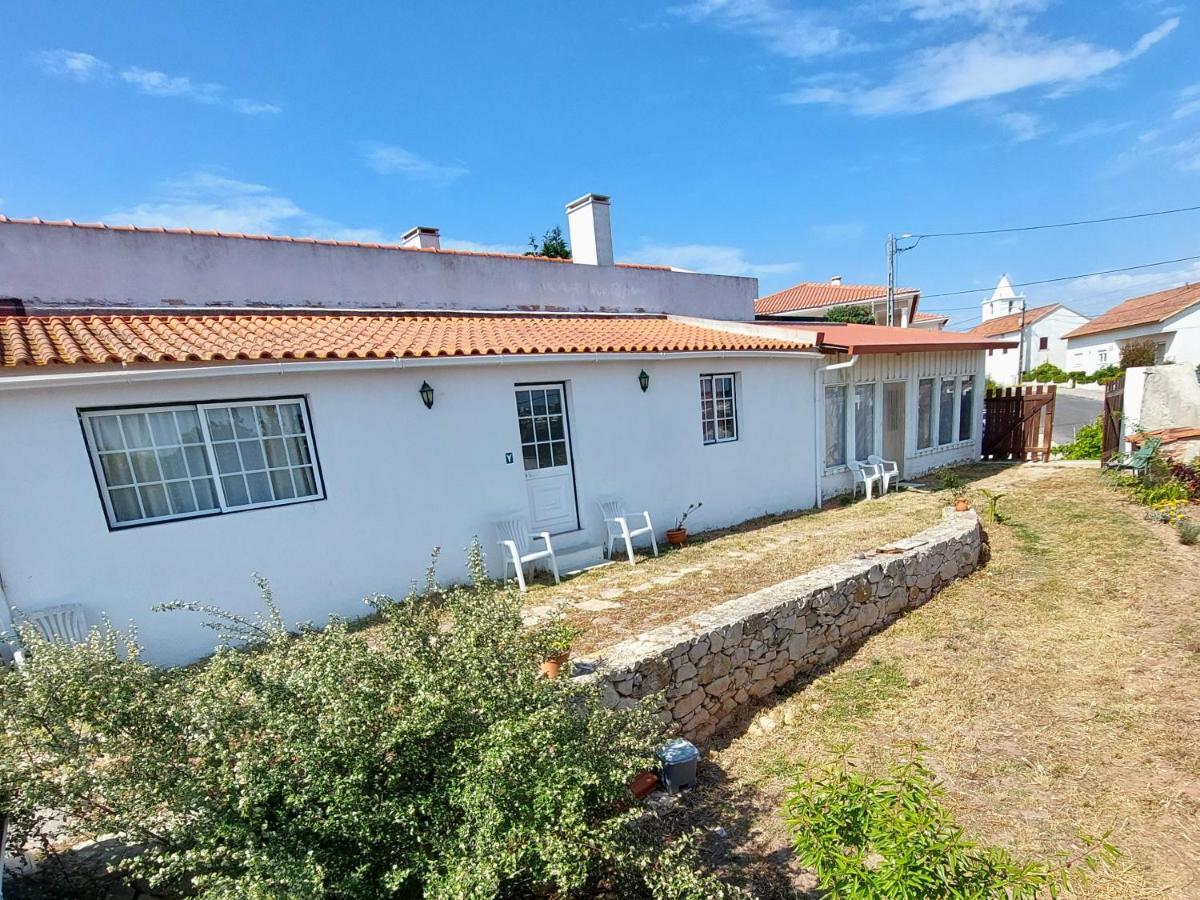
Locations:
(750, 137)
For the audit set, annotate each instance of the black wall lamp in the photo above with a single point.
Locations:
(644, 380)
(427, 395)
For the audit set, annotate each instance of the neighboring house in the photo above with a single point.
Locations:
(934, 321)
(1170, 319)
(182, 409)
(1043, 340)
(812, 301)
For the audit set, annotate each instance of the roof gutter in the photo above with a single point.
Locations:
(290, 367)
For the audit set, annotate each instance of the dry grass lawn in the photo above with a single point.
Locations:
(1055, 692)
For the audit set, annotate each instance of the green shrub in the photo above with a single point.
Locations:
(1138, 353)
(861, 315)
(1107, 374)
(1150, 494)
(1189, 532)
(1080, 377)
(424, 758)
(950, 479)
(1086, 444)
(1047, 372)
(871, 838)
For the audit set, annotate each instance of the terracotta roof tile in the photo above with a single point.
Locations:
(871, 339)
(44, 340)
(1145, 310)
(815, 294)
(1012, 322)
(930, 317)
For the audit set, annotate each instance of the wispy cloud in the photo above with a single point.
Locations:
(1022, 126)
(388, 159)
(84, 68)
(990, 11)
(784, 31)
(477, 247)
(1099, 292)
(1094, 130)
(839, 231)
(984, 66)
(1189, 103)
(712, 258)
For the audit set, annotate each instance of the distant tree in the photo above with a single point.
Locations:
(553, 244)
(1138, 353)
(858, 315)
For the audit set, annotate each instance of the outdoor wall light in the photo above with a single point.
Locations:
(644, 380)
(427, 395)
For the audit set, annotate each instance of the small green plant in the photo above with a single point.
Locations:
(950, 480)
(679, 523)
(554, 638)
(993, 505)
(1188, 531)
(1087, 442)
(873, 837)
(1047, 372)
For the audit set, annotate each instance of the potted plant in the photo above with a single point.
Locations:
(554, 643)
(961, 504)
(678, 535)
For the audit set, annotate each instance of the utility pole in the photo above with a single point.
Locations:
(891, 287)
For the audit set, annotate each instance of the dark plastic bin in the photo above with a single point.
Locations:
(679, 758)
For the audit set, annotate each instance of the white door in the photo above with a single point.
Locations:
(546, 453)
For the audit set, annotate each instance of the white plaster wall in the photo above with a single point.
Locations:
(1181, 333)
(1003, 367)
(400, 480)
(63, 266)
(1165, 396)
(909, 368)
(1001, 363)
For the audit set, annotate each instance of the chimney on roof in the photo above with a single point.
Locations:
(591, 230)
(422, 238)
(836, 280)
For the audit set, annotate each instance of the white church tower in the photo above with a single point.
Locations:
(1004, 300)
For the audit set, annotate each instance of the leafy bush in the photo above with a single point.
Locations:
(870, 837)
(1138, 353)
(1188, 476)
(1107, 374)
(1080, 377)
(426, 758)
(1086, 444)
(1154, 493)
(950, 479)
(1189, 532)
(1047, 372)
(860, 315)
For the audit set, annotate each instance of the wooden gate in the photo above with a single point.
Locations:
(1114, 410)
(1018, 423)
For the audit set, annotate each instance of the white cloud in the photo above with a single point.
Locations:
(1093, 130)
(987, 65)
(84, 67)
(1097, 293)
(476, 247)
(1022, 126)
(787, 32)
(1189, 102)
(839, 231)
(711, 258)
(978, 10)
(388, 159)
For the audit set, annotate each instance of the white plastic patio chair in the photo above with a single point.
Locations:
(890, 469)
(866, 474)
(516, 539)
(616, 520)
(62, 624)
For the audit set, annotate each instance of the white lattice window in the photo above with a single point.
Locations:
(718, 408)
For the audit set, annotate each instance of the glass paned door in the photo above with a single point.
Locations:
(546, 455)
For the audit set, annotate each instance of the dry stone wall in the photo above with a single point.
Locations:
(709, 665)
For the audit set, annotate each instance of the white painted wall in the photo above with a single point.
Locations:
(399, 479)
(909, 368)
(1180, 334)
(52, 266)
(1003, 367)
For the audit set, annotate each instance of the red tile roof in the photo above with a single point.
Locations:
(1148, 309)
(327, 242)
(816, 294)
(44, 340)
(1012, 322)
(868, 339)
(930, 317)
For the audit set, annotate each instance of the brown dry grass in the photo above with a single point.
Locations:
(1056, 691)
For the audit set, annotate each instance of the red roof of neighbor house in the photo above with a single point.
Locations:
(1012, 322)
(868, 339)
(1148, 309)
(816, 294)
(285, 239)
(43, 340)
(929, 317)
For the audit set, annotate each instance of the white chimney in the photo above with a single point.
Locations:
(422, 238)
(836, 280)
(591, 230)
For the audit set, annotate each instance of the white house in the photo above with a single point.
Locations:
(180, 409)
(1038, 333)
(813, 300)
(1170, 319)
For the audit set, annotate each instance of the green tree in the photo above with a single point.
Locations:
(1138, 353)
(859, 315)
(553, 244)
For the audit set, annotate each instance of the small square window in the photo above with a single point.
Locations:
(718, 408)
(1044, 343)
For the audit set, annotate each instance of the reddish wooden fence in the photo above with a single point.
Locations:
(1114, 409)
(1018, 422)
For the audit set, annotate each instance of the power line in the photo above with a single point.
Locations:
(1145, 215)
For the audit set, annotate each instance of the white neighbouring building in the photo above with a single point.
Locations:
(1170, 319)
(1044, 339)
(180, 409)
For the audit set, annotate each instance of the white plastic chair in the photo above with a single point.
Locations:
(62, 624)
(866, 474)
(617, 522)
(888, 468)
(515, 537)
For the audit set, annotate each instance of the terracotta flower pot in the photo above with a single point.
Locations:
(643, 784)
(676, 536)
(961, 505)
(551, 665)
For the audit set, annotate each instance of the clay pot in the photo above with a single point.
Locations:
(643, 784)
(961, 505)
(551, 665)
(676, 536)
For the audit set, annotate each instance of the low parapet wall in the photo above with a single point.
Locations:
(709, 665)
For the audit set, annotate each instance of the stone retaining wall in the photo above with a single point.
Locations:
(710, 664)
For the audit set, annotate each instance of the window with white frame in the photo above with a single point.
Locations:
(1102, 355)
(835, 425)
(155, 464)
(925, 413)
(946, 405)
(718, 408)
(864, 420)
(966, 409)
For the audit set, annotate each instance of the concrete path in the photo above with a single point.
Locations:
(1074, 407)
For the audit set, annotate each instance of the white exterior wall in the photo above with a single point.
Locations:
(1004, 367)
(909, 368)
(1180, 334)
(52, 266)
(399, 480)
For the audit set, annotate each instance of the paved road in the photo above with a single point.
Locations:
(1073, 408)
